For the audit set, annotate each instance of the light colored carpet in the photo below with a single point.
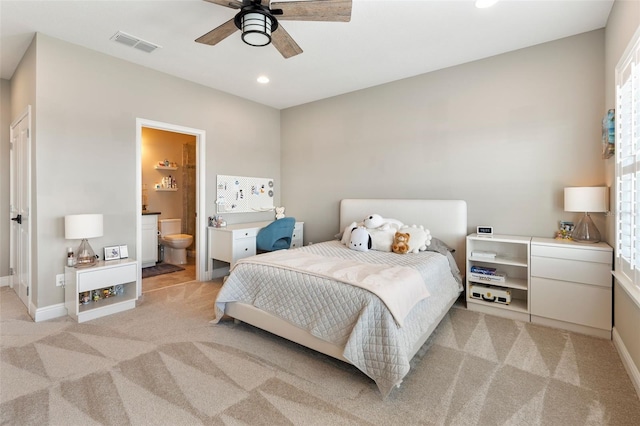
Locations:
(164, 364)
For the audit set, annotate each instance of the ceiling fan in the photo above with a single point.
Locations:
(260, 27)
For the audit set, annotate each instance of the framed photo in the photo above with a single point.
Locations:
(124, 252)
(112, 253)
(609, 134)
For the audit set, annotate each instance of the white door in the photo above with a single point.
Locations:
(20, 185)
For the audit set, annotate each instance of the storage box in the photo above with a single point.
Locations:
(490, 293)
(497, 277)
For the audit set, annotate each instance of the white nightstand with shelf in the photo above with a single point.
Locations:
(571, 285)
(511, 258)
(122, 272)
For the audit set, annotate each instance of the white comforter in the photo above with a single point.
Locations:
(346, 315)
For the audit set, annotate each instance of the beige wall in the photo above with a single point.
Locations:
(5, 123)
(85, 153)
(623, 23)
(506, 134)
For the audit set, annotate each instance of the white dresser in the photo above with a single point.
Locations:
(571, 285)
(234, 242)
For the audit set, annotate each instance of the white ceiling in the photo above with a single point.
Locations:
(385, 40)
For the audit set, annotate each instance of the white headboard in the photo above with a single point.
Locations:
(445, 219)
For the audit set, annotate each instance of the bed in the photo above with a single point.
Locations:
(311, 309)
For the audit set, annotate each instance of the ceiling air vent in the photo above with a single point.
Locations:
(135, 42)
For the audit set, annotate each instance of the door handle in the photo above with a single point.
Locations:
(18, 219)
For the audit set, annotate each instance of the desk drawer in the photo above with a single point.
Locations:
(572, 270)
(95, 279)
(244, 247)
(245, 233)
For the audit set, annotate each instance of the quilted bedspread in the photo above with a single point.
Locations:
(345, 315)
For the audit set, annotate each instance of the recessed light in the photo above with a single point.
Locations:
(483, 4)
(263, 79)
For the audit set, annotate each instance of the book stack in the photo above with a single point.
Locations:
(483, 254)
(487, 274)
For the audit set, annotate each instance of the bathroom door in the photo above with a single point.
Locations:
(19, 195)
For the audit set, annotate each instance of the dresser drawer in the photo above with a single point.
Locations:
(598, 274)
(571, 302)
(572, 253)
(95, 279)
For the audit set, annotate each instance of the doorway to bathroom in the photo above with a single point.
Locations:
(170, 188)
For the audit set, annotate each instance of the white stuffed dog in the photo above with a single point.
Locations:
(360, 239)
(377, 221)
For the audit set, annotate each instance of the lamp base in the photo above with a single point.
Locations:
(585, 231)
(86, 256)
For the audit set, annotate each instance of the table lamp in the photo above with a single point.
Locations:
(81, 227)
(586, 200)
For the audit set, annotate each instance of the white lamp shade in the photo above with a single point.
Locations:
(79, 226)
(586, 199)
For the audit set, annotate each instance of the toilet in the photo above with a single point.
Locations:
(175, 244)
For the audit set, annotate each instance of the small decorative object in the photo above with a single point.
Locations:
(124, 252)
(85, 297)
(279, 212)
(118, 289)
(112, 253)
(401, 243)
(71, 260)
(96, 295)
(609, 134)
(166, 163)
(566, 228)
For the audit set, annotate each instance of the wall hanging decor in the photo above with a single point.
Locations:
(609, 134)
(237, 194)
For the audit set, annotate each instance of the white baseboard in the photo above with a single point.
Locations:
(4, 281)
(48, 312)
(627, 361)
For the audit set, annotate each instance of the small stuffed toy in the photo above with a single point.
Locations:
(360, 239)
(420, 238)
(377, 221)
(401, 243)
(279, 212)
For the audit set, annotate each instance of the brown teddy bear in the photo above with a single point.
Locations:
(400, 243)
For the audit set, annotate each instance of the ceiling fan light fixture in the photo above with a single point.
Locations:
(256, 26)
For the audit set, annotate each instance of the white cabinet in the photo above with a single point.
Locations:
(571, 285)
(118, 277)
(149, 240)
(512, 259)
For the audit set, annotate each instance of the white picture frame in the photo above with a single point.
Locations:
(124, 252)
(112, 253)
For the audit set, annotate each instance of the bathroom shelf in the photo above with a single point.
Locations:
(165, 168)
(166, 189)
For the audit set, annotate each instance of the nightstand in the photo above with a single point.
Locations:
(509, 255)
(571, 285)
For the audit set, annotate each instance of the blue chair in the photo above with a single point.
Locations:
(276, 235)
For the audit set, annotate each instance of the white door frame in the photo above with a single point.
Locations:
(15, 164)
(201, 222)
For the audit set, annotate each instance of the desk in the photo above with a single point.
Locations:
(234, 242)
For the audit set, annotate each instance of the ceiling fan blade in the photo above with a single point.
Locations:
(218, 34)
(233, 4)
(314, 10)
(286, 45)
